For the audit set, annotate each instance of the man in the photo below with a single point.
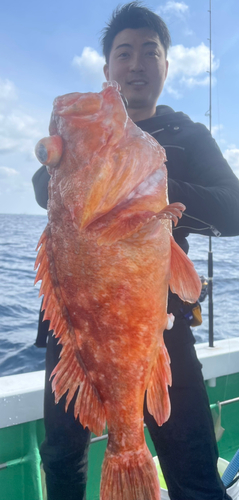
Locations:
(135, 44)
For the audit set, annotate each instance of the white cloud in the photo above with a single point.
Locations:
(173, 8)
(176, 11)
(188, 68)
(191, 81)
(90, 65)
(11, 181)
(8, 93)
(216, 129)
(216, 132)
(19, 133)
(232, 156)
(173, 92)
(190, 62)
(13, 185)
(6, 172)
(18, 130)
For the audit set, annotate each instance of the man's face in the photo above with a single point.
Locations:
(137, 62)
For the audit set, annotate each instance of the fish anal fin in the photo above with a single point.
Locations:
(70, 374)
(158, 402)
(184, 280)
(129, 475)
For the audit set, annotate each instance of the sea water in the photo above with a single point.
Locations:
(19, 302)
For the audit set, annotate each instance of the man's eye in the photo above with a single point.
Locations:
(123, 55)
(152, 53)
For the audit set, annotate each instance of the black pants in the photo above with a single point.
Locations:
(185, 445)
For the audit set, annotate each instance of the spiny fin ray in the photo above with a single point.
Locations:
(69, 375)
(131, 476)
(184, 280)
(158, 402)
(126, 224)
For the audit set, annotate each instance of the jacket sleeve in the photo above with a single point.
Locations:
(40, 183)
(211, 193)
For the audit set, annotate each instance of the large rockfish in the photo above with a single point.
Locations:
(106, 260)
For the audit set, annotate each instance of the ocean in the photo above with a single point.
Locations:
(19, 302)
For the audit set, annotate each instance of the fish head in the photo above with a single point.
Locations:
(81, 126)
(96, 155)
(83, 121)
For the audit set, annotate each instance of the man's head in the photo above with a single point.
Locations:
(135, 45)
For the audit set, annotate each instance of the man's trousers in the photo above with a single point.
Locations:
(185, 445)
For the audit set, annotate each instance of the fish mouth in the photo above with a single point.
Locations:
(77, 104)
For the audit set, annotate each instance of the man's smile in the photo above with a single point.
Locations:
(137, 82)
(137, 62)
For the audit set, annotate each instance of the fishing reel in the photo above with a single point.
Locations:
(204, 291)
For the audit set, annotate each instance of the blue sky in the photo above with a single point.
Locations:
(52, 48)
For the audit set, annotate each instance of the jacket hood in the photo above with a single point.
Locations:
(164, 115)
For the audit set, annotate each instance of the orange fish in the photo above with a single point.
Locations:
(106, 260)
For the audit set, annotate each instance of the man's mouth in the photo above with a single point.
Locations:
(137, 82)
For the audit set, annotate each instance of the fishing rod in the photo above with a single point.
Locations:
(210, 254)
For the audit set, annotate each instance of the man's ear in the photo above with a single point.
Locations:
(166, 72)
(106, 71)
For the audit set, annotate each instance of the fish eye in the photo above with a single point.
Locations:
(49, 150)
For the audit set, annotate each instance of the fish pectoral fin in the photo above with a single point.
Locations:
(123, 226)
(172, 212)
(70, 374)
(158, 402)
(184, 280)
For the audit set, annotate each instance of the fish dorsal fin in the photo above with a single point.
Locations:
(70, 373)
(184, 280)
(158, 402)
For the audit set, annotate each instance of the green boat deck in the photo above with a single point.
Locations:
(20, 471)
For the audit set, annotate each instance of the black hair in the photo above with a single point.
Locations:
(134, 16)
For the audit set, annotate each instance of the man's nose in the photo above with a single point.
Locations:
(136, 63)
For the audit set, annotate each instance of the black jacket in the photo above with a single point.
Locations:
(198, 176)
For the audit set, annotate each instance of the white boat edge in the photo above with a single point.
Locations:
(22, 396)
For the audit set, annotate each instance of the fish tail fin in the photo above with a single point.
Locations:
(129, 476)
